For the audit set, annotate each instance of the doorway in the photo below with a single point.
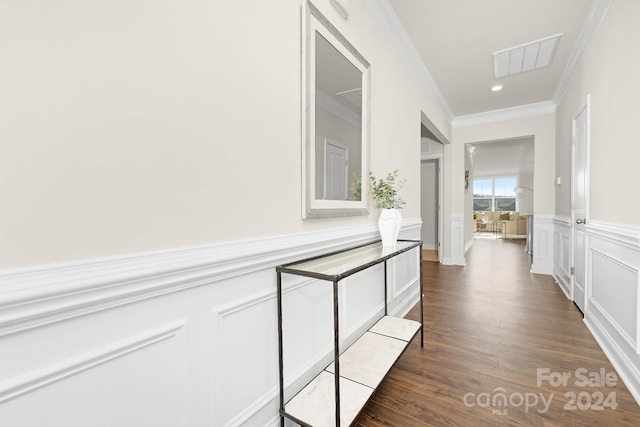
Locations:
(336, 170)
(431, 207)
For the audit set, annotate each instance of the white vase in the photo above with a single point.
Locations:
(389, 225)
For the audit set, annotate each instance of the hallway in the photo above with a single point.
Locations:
(495, 331)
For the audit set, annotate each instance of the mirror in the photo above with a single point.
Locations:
(336, 121)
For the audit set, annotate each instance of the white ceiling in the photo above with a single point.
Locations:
(454, 41)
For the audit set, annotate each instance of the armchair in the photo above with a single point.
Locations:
(515, 227)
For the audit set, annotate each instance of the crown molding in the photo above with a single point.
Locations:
(596, 15)
(520, 111)
(390, 23)
(330, 104)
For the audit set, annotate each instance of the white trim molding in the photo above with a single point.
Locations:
(390, 23)
(562, 253)
(598, 11)
(41, 295)
(17, 387)
(613, 296)
(542, 244)
(612, 309)
(529, 110)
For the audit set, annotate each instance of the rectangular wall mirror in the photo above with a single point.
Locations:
(335, 129)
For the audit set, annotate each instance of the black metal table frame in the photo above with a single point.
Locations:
(336, 278)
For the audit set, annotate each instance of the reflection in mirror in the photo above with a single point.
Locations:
(338, 136)
(336, 122)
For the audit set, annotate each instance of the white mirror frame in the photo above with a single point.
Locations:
(313, 21)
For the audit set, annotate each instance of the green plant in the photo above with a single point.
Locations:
(356, 187)
(385, 191)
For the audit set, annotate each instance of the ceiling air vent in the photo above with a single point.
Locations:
(526, 57)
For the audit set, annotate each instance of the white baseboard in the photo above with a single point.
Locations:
(563, 284)
(626, 369)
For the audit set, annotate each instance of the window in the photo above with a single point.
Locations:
(482, 194)
(494, 194)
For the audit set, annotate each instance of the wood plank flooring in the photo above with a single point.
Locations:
(430, 255)
(489, 327)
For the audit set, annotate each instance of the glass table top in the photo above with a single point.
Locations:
(350, 261)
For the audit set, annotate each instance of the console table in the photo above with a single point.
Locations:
(337, 395)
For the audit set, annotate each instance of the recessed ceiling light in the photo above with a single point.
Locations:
(496, 88)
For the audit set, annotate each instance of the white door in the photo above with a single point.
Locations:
(336, 163)
(580, 193)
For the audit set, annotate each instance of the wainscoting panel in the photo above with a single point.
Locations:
(184, 337)
(562, 253)
(406, 274)
(613, 305)
(614, 292)
(138, 381)
(543, 244)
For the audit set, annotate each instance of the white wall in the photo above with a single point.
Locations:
(129, 129)
(609, 76)
(150, 158)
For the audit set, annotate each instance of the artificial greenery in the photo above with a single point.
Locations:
(356, 186)
(385, 191)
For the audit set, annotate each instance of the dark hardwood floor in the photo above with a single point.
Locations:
(489, 328)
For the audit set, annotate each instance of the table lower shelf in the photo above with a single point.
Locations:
(362, 368)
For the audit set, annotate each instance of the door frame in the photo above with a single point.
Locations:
(440, 166)
(344, 169)
(584, 107)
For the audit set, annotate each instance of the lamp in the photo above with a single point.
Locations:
(520, 190)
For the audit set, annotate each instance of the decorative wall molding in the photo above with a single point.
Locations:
(390, 23)
(542, 244)
(613, 291)
(33, 381)
(520, 111)
(612, 308)
(47, 295)
(562, 253)
(397, 292)
(623, 364)
(620, 234)
(339, 110)
(403, 308)
(596, 15)
(562, 220)
(41, 295)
